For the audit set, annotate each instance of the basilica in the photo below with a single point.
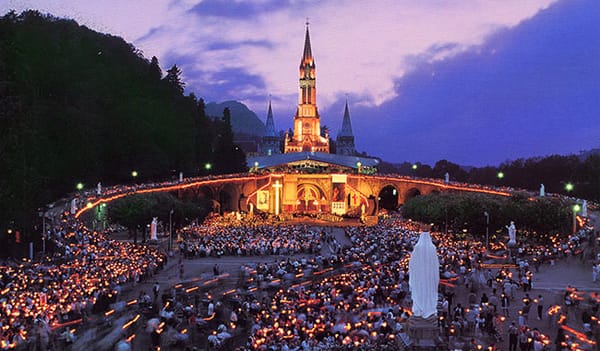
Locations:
(307, 176)
(308, 148)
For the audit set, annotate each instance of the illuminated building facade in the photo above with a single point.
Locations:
(307, 123)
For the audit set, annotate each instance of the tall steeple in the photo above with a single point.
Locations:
(308, 91)
(307, 58)
(307, 123)
(270, 125)
(346, 124)
(345, 138)
(270, 142)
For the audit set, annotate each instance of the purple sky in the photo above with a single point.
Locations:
(476, 82)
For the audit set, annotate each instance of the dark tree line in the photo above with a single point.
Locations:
(555, 172)
(80, 106)
(456, 212)
(135, 212)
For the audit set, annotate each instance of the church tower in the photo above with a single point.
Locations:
(270, 142)
(345, 138)
(307, 123)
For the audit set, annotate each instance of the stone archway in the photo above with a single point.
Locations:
(229, 198)
(388, 198)
(206, 192)
(410, 193)
(310, 198)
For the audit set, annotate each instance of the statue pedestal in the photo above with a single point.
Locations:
(512, 250)
(424, 333)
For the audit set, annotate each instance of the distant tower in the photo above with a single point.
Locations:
(307, 123)
(345, 138)
(270, 141)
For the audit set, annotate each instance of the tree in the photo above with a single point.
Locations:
(136, 211)
(155, 71)
(203, 131)
(173, 79)
(229, 158)
(80, 106)
(455, 171)
(537, 218)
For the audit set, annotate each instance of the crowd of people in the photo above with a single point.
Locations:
(364, 302)
(81, 275)
(218, 237)
(337, 297)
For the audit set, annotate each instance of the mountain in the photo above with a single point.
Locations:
(243, 120)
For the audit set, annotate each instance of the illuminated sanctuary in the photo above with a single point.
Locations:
(306, 149)
(307, 176)
(307, 122)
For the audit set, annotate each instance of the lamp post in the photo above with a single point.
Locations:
(171, 230)
(576, 208)
(487, 229)
(569, 186)
(43, 215)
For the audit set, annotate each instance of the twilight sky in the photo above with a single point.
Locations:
(476, 82)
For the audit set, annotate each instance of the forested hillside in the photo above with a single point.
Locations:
(81, 106)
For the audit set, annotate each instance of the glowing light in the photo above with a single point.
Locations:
(134, 174)
(576, 208)
(208, 166)
(500, 175)
(569, 186)
(79, 186)
(414, 166)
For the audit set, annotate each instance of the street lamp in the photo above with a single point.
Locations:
(207, 167)
(500, 175)
(414, 166)
(487, 229)
(576, 208)
(358, 167)
(569, 186)
(171, 230)
(79, 186)
(134, 174)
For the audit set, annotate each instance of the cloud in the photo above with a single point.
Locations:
(433, 79)
(526, 91)
(361, 48)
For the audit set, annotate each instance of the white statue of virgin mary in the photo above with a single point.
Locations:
(424, 277)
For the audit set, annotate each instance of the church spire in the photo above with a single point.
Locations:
(270, 125)
(346, 130)
(307, 57)
(345, 137)
(307, 123)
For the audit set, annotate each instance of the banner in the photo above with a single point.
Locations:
(338, 195)
(262, 200)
